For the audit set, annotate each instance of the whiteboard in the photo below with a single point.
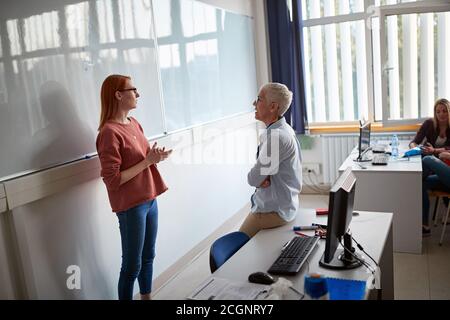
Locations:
(207, 60)
(193, 64)
(55, 56)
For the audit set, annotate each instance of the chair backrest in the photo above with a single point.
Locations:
(224, 247)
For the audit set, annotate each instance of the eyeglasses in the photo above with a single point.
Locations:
(128, 89)
(258, 99)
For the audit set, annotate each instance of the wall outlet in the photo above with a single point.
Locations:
(311, 167)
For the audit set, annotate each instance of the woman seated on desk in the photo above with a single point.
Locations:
(435, 133)
(439, 179)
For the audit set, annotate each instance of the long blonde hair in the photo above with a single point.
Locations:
(445, 103)
(109, 103)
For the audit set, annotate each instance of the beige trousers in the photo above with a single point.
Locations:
(260, 220)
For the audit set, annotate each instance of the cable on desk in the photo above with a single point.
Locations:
(366, 265)
(379, 295)
(359, 259)
(362, 249)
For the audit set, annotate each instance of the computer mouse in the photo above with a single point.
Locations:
(355, 213)
(261, 277)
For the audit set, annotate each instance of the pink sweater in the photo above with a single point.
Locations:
(119, 147)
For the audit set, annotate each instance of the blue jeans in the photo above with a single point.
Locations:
(138, 228)
(436, 177)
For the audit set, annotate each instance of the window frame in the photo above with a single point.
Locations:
(417, 7)
(381, 12)
(351, 17)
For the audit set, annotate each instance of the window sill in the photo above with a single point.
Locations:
(376, 127)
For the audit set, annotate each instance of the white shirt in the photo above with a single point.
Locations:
(440, 142)
(283, 165)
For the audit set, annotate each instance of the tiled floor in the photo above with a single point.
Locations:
(425, 276)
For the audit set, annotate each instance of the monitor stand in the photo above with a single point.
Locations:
(361, 156)
(342, 259)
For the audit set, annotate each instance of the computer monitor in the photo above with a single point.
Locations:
(340, 211)
(364, 139)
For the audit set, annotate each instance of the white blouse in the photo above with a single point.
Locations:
(440, 142)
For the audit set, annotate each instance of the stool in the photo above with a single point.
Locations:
(439, 196)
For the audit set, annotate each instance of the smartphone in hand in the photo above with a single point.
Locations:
(424, 146)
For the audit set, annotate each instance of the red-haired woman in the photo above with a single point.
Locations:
(128, 169)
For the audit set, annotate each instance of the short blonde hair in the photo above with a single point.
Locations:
(445, 103)
(279, 93)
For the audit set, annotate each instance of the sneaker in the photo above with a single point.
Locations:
(426, 232)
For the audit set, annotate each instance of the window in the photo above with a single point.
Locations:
(335, 64)
(382, 60)
(335, 51)
(415, 70)
(325, 8)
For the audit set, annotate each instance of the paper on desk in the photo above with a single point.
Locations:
(223, 289)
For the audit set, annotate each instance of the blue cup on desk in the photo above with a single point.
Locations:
(316, 287)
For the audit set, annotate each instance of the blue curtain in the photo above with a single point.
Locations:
(286, 56)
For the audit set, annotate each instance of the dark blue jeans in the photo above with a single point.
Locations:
(138, 228)
(436, 177)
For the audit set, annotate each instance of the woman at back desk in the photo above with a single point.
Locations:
(435, 132)
(435, 135)
(437, 179)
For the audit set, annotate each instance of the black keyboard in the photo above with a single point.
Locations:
(294, 255)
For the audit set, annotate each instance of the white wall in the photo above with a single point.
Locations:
(76, 226)
(312, 155)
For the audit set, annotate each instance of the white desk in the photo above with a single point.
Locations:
(397, 188)
(372, 230)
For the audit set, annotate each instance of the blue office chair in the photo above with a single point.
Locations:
(223, 248)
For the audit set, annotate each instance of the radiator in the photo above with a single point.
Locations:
(336, 148)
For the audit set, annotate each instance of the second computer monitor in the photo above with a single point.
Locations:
(364, 139)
